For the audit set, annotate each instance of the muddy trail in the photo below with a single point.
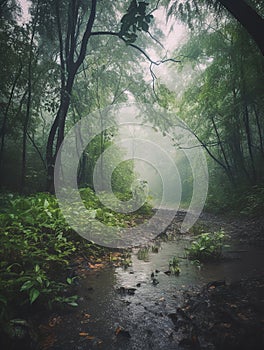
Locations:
(143, 306)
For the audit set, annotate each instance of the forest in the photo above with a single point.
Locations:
(131, 174)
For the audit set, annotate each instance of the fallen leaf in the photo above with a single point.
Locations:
(226, 325)
(243, 317)
(232, 305)
(118, 330)
(54, 321)
(90, 337)
(48, 342)
(83, 334)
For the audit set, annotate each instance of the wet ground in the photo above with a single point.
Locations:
(135, 307)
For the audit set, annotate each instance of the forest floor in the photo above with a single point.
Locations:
(226, 316)
(216, 315)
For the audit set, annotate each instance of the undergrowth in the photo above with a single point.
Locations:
(37, 246)
(207, 246)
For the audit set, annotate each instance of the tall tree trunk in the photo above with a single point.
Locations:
(249, 18)
(249, 141)
(259, 131)
(236, 142)
(69, 68)
(29, 100)
(5, 117)
(56, 134)
(222, 148)
(245, 113)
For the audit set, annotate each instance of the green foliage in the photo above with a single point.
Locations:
(155, 248)
(136, 19)
(198, 228)
(122, 177)
(143, 253)
(253, 201)
(207, 246)
(174, 266)
(36, 245)
(105, 214)
(242, 199)
(223, 106)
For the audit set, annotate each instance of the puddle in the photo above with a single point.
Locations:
(144, 315)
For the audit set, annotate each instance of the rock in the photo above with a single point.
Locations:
(168, 272)
(155, 281)
(121, 290)
(124, 290)
(152, 275)
(138, 284)
(131, 291)
(215, 284)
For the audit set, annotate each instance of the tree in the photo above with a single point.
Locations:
(27, 79)
(249, 18)
(220, 104)
(74, 33)
(248, 14)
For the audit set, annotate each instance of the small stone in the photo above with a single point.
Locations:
(168, 272)
(131, 291)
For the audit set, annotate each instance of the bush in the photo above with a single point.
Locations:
(174, 266)
(207, 246)
(36, 246)
(254, 202)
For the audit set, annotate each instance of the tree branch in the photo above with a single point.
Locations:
(37, 149)
(86, 36)
(117, 34)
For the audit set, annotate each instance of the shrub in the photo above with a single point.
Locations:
(207, 246)
(36, 246)
(174, 265)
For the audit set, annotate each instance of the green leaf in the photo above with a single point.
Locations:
(72, 304)
(3, 300)
(39, 279)
(33, 295)
(27, 285)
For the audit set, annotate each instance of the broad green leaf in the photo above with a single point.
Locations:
(33, 295)
(72, 304)
(27, 285)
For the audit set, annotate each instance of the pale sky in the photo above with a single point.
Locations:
(174, 36)
(25, 15)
